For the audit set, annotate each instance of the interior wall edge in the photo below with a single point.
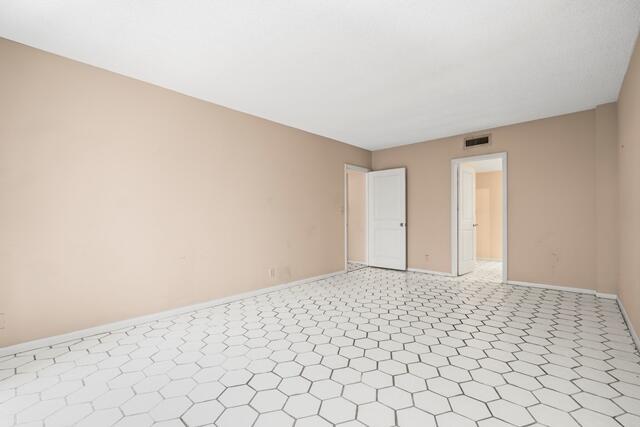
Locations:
(121, 198)
(606, 202)
(628, 149)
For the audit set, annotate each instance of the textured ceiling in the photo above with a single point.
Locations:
(371, 73)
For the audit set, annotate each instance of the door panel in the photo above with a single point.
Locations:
(466, 220)
(387, 219)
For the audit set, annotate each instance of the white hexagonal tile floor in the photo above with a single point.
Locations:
(369, 347)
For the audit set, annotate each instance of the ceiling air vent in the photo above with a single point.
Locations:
(476, 141)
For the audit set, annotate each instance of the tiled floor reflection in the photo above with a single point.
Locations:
(371, 347)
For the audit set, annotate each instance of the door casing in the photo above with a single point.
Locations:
(455, 177)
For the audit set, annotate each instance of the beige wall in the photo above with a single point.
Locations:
(356, 218)
(119, 198)
(489, 215)
(607, 198)
(629, 190)
(552, 198)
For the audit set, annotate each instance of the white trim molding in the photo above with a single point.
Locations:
(607, 296)
(552, 287)
(455, 167)
(83, 333)
(627, 320)
(562, 288)
(356, 168)
(437, 273)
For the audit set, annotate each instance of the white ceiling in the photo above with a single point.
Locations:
(372, 73)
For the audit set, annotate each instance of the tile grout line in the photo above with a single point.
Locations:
(384, 303)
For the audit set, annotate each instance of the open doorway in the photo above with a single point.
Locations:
(479, 217)
(355, 225)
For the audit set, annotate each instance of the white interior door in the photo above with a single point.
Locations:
(387, 228)
(466, 220)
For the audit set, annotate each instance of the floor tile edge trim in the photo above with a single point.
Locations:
(437, 273)
(69, 336)
(627, 320)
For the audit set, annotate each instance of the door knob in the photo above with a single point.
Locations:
(475, 225)
(402, 224)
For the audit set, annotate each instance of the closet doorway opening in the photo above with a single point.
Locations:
(479, 217)
(355, 217)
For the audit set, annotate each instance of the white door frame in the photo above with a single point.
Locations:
(455, 175)
(349, 167)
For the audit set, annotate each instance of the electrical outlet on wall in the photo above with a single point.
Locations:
(272, 273)
(426, 257)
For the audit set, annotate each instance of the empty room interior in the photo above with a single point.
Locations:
(321, 213)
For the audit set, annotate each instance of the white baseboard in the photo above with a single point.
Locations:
(438, 273)
(58, 339)
(562, 288)
(551, 287)
(632, 331)
(607, 296)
